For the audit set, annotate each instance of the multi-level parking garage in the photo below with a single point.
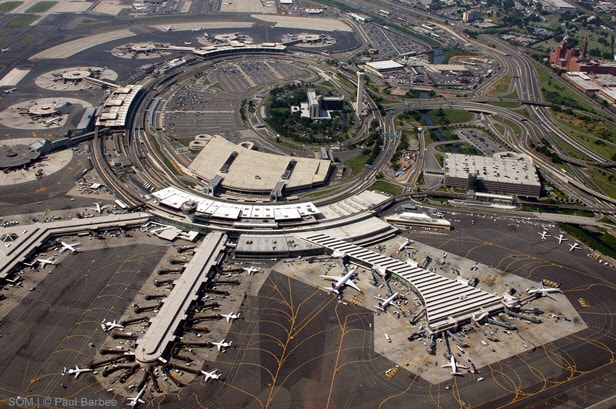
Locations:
(448, 303)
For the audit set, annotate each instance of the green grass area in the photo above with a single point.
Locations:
(218, 86)
(500, 128)
(597, 239)
(41, 7)
(357, 164)
(502, 85)
(505, 104)
(462, 147)
(604, 179)
(23, 20)
(10, 5)
(514, 127)
(598, 136)
(382, 186)
(552, 87)
(168, 163)
(449, 116)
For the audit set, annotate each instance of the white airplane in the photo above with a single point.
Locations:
(543, 235)
(252, 269)
(194, 30)
(543, 291)
(45, 261)
(169, 28)
(53, 121)
(341, 281)
(41, 261)
(560, 239)
(99, 208)
(385, 302)
(137, 399)
(77, 371)
(109, 325)
(10, 91)
(211, 375)
(187, 42)
(6, 50)
(404, 245)
(573, 246)
(222, 345)
(231, 316)
(72, 247)
(454, 366)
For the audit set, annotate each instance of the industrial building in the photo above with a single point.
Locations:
(504, 173)
(572, 59)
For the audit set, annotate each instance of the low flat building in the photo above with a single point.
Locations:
(421, 220)
(248, 171)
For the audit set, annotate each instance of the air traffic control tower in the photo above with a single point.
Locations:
(360, 93)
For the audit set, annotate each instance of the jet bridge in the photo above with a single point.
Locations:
(448, 303)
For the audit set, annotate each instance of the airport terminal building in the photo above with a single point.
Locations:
(504, 173)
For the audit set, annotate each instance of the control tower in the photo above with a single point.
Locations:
(360, 93)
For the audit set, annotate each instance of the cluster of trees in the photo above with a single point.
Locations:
(302, 129)
(558, 99)
(544, 149)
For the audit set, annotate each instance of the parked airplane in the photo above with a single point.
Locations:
(404, 245)
(99, 208)
(41, 261)
(169, 28)
(45, 261)
(6, 50)
(109, 325)
(77, 371)
(543, 291)
(561, 238)
(222, 345)
(72, 247)
(385, 302)
(10, 91)
(574, 246)
(211, 375)
(187, 42)
(341, 281)
(137, 399)
(53, 121)
(454, 366)
(252, 269)
(231, 316)
(196, 29)
(543, 235)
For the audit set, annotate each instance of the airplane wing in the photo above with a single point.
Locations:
(351, 283)
(332, 278)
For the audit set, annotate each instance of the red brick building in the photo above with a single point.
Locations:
(574, 60)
